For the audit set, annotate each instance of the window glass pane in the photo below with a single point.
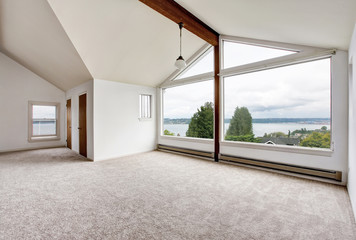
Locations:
(47, 112)
(285, 106)
(188, 110)
(237, 54)
(44, 127)
(203, 65)
(44, 120)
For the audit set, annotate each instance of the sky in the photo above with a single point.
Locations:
(44, 111)
(295, 91)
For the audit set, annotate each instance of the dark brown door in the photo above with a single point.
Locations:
(83, 125)
(69, 123)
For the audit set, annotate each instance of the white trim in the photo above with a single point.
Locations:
(31, 148)
(42, 138)
(281, 148)
(193, 79)
(187, 139)
(276, 62)
(269, 44)
(222, 88)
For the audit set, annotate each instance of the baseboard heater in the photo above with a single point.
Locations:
(185, 151)
(321, 173)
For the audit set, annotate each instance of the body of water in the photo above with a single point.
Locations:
(259, 129)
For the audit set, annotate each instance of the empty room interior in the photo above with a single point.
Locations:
(163, 119)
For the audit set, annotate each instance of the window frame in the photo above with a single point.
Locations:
(185, 138)
(303, 54)
(36, 138)
(142, 115)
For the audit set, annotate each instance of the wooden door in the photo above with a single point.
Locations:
(83, 125)
(69, 123)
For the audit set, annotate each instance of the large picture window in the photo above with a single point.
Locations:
(188, 110)
(271, 94)
(43, 121)
(287, 105)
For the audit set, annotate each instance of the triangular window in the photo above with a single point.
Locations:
(238, 54)
(203, 64)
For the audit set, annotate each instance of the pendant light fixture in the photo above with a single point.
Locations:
(180, 63)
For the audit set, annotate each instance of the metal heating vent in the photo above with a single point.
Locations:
(322, 173)
(186, 151)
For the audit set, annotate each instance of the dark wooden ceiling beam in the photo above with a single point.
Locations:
(177, 14)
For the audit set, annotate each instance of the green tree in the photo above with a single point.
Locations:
(317, 139)
(167, 132)
(243, 138)
(202, 122)
(241, 123)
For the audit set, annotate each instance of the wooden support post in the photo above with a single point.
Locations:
(176, 13)
(216, 103)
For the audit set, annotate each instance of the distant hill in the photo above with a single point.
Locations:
(177, 120)
(292, 120)
(259, 120)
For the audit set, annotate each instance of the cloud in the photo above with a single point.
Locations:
(301, 90)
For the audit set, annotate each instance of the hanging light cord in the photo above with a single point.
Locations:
(180, 38)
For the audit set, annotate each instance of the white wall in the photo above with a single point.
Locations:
(117, 128)
(352, 122)
(18, 85)
(74, 94)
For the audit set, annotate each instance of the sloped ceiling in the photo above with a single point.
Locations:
(124, 40)
(69, 42)
(31, 34)
(319, 23)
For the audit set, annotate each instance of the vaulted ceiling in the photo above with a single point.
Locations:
(319, 23)
(69, 42)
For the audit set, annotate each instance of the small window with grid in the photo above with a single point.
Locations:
(145, 106)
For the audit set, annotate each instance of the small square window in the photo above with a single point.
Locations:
(145, 106)
(43, 121)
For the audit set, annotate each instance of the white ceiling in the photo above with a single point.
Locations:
(319, 23)
(31, 35)
(69, 42)
(123, 40)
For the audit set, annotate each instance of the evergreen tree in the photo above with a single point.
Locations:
(202, 122)
(241, 123)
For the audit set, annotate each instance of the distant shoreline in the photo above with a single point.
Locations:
(259, 120)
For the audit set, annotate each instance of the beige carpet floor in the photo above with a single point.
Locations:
(56, 194)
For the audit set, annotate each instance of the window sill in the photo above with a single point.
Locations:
(280, 148)
(187, 139)
(44, 139)
(144, 119)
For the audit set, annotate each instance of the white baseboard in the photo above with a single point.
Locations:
(121, 156)
(30, 148)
